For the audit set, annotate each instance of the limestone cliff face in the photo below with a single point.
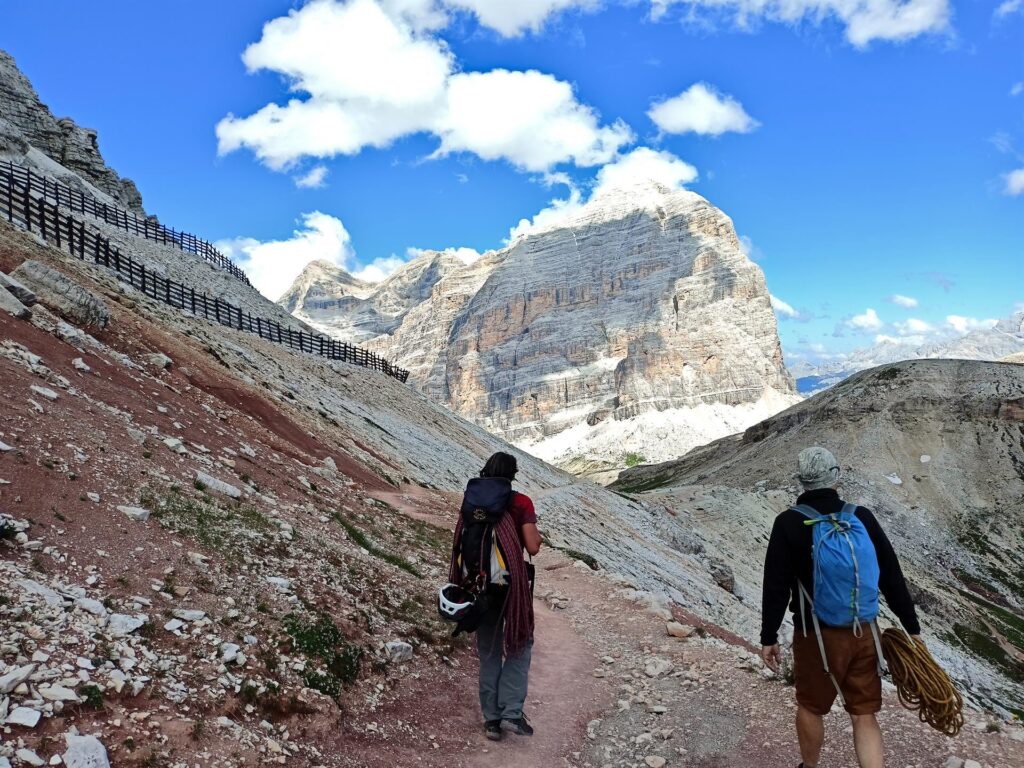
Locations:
(25, 123)
(642, 300)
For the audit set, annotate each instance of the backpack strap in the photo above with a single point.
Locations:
(848, 509)
(807, 511)
(821, 643)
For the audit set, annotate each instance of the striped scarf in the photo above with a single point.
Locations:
(519, 602)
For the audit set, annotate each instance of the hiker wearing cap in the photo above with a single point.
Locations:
(495, 526)
(828, 560)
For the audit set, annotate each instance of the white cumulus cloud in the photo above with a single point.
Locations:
(640, 165)
(866, 321)
(1017, 88)
(913, 328)
(512, 18)
(273, 265)
(909, 302)
(1014, 182)
(529, 118)
(702, 109)
(367, 74)
(865, 20)
(782, 308)
(379, 269)
(1007, 7)
(964, 325)
(314, 179)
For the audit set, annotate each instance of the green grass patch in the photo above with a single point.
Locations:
(319, 638)
(985, 647)
(361, 540)
(590, 560)
(633, 459)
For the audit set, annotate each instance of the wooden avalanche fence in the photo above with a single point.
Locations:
(37, 214)
(75, 200)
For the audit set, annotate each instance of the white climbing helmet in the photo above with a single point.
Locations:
(454, 602)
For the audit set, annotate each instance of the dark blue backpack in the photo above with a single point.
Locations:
(845, 568)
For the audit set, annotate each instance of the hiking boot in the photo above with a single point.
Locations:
(519, 726)
(492, 730)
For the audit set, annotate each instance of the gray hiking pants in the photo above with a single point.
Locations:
(503, 682)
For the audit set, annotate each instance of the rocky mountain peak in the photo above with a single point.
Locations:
(639, 301)
(28, 127)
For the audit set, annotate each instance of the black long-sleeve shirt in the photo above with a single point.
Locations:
(789, 559)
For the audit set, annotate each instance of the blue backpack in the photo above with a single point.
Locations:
(845, 579)
(845, 568)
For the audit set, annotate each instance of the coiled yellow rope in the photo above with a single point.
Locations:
(922, 685)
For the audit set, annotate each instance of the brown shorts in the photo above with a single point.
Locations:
(854, 662)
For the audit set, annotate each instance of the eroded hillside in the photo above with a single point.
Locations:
(936, 449)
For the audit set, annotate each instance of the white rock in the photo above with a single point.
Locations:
(972, 764)
(58, 693)
(135, 513)
(657, 667)
(95, 607)
(894, 479)
(229, 652)
(398, 651)
(654, 761)
(121, 624)
(35, 588)
(218, 486)
(174, 625)
(93, 497)
(159, 360)
(283, 584)
(5, 763)
(85, 752)
(29, 757)
(188, 614)
(925, 458)
(81, 365)
(24, 716)
(4, 447)
(953, 762)
(46, 392)
(175, 445)
(675, 629)
(15, 677)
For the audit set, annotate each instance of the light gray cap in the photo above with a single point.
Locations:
(817, 468)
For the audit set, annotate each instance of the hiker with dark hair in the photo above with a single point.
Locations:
(829, 560)
(495, 526)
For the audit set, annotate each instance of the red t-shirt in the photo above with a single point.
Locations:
(522, 510)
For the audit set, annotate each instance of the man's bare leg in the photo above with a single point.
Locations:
(810, 731)
(867, 740)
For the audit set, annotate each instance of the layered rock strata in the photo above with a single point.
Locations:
(26, 123)
(641, 301)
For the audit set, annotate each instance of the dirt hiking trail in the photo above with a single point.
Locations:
(609, 688)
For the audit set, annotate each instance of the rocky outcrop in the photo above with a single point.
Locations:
(936, 449)
(63, 294)
(642, 301)
(25, 121)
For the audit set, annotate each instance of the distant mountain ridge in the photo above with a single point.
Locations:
(1003, 340)
(639, 302)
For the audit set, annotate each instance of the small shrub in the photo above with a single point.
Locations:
(321, 639)
(583, 557)
(92, 696)
(147, 454)
(198, 729)
(634, 459)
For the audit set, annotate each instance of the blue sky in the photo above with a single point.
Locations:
(866, 152)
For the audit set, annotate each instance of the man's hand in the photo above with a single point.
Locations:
(772, 657)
